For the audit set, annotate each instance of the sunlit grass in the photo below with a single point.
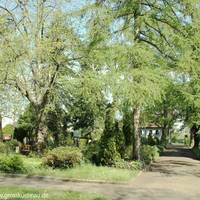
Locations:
(87, 172)
(34, 166)
(18, 193)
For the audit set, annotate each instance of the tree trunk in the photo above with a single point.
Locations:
(196, 141)
(41, 132)
(164, 135)
(193, 131)
(137, 139)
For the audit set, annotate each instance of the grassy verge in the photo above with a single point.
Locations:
(19, 193)
(34, 166)
(87, 172)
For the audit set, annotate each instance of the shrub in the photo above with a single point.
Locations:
(8, 147)
(8, 129)
(174, 138)
(128, 152)
(2, 147)
(130, 165)
(161, 148)
(108, 152)
(63, 157)
(120, 140)
(91, 153)
(11, 164)
(11, 145)
(149, 153)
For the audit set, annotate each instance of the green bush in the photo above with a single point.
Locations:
(149, 153)
(2, 147)
(63, 157)
(11, 164)
(161, 148)
(130, 165)
(174, 138)
(128, 152)
(108, 152)
(11, 145)
(91, 153)
(8, 129)
(120, 140)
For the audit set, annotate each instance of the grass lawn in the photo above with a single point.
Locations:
(86, 171)
(19, 193)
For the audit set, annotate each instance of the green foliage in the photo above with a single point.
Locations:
(127, 127)
(120, 140)
(63, 157)
(26, 124)
(11, 145)
(149, 153)
(161, 148)
(8, 129)
(108, 153)
(2, 147)
(196, 152)
(174, 138)
(11, 164)
(151, 140)
(91, 152)
(130, 165)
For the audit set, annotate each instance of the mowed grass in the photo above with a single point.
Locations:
(85, 171)
(19, 193)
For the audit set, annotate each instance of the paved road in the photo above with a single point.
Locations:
(174, 176)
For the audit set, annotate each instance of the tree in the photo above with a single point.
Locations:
(142, 37)
(36, 48)
(167, 111)
(189, 65)
(108, 148)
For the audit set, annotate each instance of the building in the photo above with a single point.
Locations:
(152, 129)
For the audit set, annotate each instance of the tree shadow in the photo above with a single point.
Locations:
(171, 166)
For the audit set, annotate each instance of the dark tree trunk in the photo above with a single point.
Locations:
(164, 134)
(196, 141)
(137, 138)
(194, 134)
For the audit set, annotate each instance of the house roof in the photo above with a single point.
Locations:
(152, 126)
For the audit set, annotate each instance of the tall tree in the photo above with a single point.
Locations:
(189, 66)
(35, 50)
(140, 40)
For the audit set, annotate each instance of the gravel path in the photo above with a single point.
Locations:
(174, 176)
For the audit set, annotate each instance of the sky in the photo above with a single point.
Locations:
(6, 121)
